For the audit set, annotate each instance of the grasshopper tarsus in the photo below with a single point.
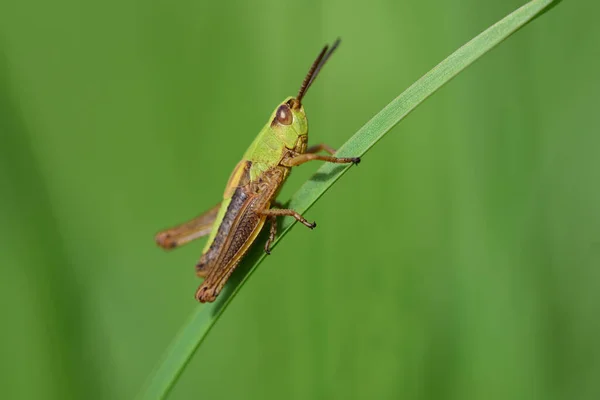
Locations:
(313, 225)
(355, 160)
(268, 247)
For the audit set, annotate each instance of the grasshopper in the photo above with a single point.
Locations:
(234, 223)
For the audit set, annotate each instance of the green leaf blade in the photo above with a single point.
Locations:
(204, 317)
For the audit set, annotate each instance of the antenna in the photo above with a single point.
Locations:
(315, 68)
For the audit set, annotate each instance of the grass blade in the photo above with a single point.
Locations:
(195, 330)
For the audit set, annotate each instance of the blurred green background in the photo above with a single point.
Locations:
(459, 261)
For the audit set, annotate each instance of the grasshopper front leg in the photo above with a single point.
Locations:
(293, 159)
(319, 147)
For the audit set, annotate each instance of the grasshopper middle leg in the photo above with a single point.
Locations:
(272, 234)
(277, 212)
(272, 214)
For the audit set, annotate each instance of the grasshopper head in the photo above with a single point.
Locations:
(290, 116)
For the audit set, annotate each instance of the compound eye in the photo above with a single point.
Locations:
(284, 115)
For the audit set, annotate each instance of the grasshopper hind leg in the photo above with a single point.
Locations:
(188, 231)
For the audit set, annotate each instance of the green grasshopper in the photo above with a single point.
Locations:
(234, 224)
